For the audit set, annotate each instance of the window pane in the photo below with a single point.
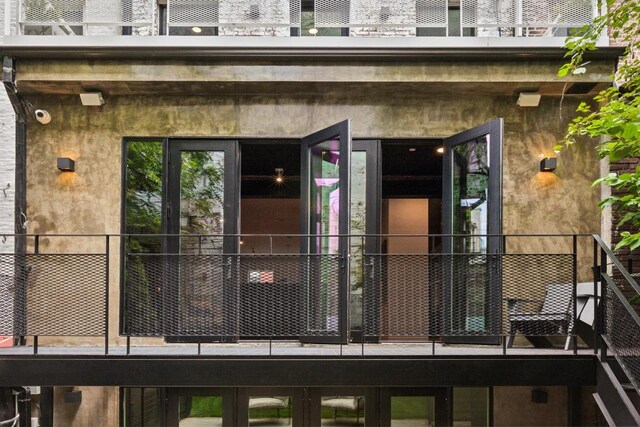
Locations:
(414, 411)
(200, 411)
(471, 406)
(342, 410)
(270, 410)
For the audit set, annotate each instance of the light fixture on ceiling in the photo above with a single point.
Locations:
(529, 99)
(196, 30)
(313, 31)
(92, 99)
(412, 149)
(279, 177)
(440, 150)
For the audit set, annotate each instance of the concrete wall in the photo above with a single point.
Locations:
(99, 407)
(512, 406)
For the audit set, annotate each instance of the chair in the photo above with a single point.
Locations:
(346, 403)
(275, 402)
(555, 317)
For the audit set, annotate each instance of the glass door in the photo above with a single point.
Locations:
(415, 407)
(201, 216)
(472, 210)
(325, 197)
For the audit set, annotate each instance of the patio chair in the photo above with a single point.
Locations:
(555, 316)
(346, 403)
(275, 402)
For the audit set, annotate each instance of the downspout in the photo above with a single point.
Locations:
(20, 108)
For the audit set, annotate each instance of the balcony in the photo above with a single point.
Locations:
(64, 292)
(431, 19)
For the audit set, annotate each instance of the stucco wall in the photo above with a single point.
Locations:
(7, 172)
(88, 201)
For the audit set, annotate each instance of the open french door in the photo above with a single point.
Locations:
(325, 197)
(472, 212)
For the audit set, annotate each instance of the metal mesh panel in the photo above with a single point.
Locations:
(488, 13)
(245, 13)
(53, 11)
(53, 294)
(232, 295)
(621, 330)
(380, 13)
(557, 13)
(426, 296)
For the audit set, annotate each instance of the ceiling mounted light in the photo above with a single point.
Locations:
(196, 30)
(92, 99)
(313, 31)
(412, 149)
(529, 99)
(440, 150)
(279, 178)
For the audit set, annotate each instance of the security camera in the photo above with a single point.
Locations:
(43, 116)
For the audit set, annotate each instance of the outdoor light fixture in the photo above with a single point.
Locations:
(66, 164)
(548, 164)
(529, 99)
(196, 30)
(279, 175)
(440, 150)
(92, 99)
(313, 31)
(412, 149)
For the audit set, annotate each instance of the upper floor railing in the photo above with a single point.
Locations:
(536, 286)
(396, 18)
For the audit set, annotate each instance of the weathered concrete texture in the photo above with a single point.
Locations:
(99, 407)
(512, 406)
(88, 201)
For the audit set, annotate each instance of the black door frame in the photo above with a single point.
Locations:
(443, 402)
(231, 215)
(494, 129)
(342, 131)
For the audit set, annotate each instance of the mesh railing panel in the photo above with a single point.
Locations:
(530, 13)
(91, 12)
(380, 13)
(232, 295)
(426, 296)
(53, 294)
(621, 331)
(246, 13)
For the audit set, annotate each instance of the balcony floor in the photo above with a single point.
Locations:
(289, 349)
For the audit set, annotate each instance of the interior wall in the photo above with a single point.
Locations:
(270, 216)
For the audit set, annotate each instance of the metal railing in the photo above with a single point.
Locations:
(618, 317)
(489, 18)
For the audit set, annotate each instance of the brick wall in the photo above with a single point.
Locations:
(7, 171)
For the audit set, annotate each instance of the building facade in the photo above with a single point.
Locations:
(276, 212)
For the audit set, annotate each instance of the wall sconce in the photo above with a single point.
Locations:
(539, 396)
(529, 99)
(548, 164)
(66, 164)
(385, 12)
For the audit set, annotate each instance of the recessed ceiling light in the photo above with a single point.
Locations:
(440, 150)
(196, 30)
(412, 149)
(313, 31)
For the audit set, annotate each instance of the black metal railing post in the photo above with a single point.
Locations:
(106, 301)
(603, 306)
(596, 302)
(574, 296)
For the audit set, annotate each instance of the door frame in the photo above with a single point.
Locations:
(494, 129)
(342, 130)
(443, 402)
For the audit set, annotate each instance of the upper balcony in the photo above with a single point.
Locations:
(299, 23)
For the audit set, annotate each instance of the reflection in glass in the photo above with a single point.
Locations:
(470, 218)
(270, 410)
(342, 410)
(196, 411)
(471, 406)
(324, 221)
(358, 228)
(414, 411)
